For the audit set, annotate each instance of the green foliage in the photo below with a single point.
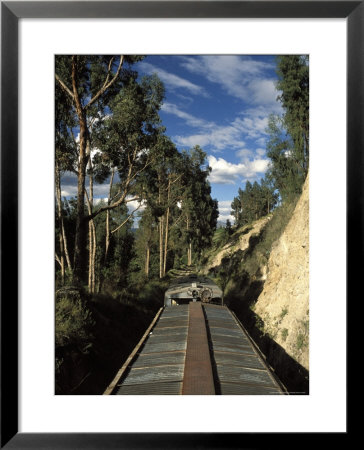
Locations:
(255, 201)
(293, 74)
(288, 144)
(152, 293)
(73, 323)
(220, 237)
(283, 313)
(300, 342)
(284, 334)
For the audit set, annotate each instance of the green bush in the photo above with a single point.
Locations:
(73, 323)
(152, 294)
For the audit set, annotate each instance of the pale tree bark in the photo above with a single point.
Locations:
(60, 221)
(170, 200)
(160, 228)
(124, 190)
(84, 140)
(57, 259)
(166, 229)
(147, 259)
(161, 253)
(107, 238)
(92, 234)
(189, 248)
(62, 233)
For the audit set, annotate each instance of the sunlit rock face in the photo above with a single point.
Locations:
(283, 305)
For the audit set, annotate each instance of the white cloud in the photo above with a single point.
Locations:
(242, 77)
(191, 120)
(69, 191)
(218, 136)
(225, 207)
(174, 81)
(263, 91)
(225, 172)
(225, 217)
(251, 124)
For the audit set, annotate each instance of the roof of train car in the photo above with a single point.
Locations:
(186, 281)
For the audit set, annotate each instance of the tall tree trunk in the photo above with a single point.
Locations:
(166, 242)
(107, 238)
(160, 227)
(90, 252)
(93, 281)
(60, 221)
(80, 238)
(166, 230)
(147, 259)
(92, 234)
(161, 253)
(189, 248)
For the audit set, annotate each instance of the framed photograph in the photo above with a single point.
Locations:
(32, 33)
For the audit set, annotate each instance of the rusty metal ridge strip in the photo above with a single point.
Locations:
(261, 356)
(198, 377)
(109, 390)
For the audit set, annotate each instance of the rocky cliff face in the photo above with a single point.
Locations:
(239, 241)
(283, 305)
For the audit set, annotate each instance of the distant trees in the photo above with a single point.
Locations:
(253, 202)
(200, 211)
(288, 144)
(180, 214)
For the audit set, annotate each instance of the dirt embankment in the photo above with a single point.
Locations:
(239, 241)
(283, 305)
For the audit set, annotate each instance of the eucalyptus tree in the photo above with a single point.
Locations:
(65, 158)
(293, 84)
(125, 121)
(255, 201)
(89, 82)
(288, 143)
(126, 140)
(285, 168)
(162, 192)
(199, 209)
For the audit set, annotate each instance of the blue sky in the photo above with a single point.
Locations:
(222, 104)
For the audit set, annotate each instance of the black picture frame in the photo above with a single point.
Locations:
(11, 12)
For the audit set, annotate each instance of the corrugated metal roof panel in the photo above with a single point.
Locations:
(240, 370)
(168, 388)
(164, 347)
(246, 389)
(159, 367)
(228, 373)
(160, 338)
(166, 331)
(235, 359)
(158, 359)
(172, 323)
(234, 349)
(154, 374)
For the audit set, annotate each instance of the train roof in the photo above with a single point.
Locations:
(185, 282)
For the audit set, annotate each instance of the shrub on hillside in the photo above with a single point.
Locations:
(73, 322)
